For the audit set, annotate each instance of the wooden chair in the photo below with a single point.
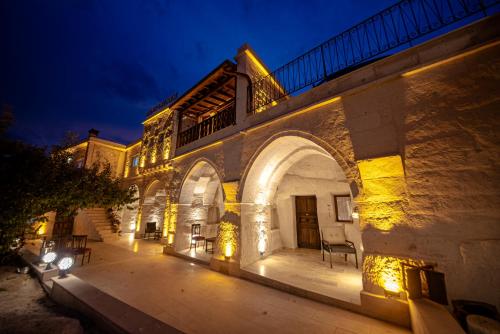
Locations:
(195, 236)
(150, 230)
(79, 247)
(333, 241)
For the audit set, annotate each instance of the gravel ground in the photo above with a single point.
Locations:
(26, 308)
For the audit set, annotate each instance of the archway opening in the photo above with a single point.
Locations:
(153, 207)
(295, 195)
(129, 213)
(201, 203)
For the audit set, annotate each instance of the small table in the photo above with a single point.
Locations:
(210, 240)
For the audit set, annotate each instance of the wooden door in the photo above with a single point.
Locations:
(307, 222)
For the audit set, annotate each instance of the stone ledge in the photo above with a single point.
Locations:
(388, 309)
(428, 317)
(110, 314)
(31, 260)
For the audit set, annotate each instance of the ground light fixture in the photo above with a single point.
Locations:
(64, 265)
(48, 258)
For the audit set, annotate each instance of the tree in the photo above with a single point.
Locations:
(34, 182)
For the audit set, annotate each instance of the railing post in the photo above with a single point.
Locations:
(323, 61)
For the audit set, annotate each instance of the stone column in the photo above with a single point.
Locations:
(227, 250)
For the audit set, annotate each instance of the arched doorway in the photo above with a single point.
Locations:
(201, 201)
(153, 206)
(289, 198)
(129, 213)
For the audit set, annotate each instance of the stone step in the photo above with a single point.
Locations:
(103, 227)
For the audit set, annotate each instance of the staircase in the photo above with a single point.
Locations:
(97, 218)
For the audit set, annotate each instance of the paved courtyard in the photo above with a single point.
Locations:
(195, 299)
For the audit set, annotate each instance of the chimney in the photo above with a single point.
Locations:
(93, 133)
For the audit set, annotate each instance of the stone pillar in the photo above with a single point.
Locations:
(227, 250)
(242, 84)
(381, 213)
(138, 222)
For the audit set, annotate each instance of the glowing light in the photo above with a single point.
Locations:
(166, 152)
(260, 218)
(65, 263)
(155, 116)
(42, 229)
(449, 60)
(49, 257)
(384, 273)
(227, 238)
(262, 245)
(228, 252)
(153, 156)
(391, 284)
(132, 226)
(263, 69)
(262, 237)
(170, 239)
(142, 162)
(138, 219)
(136, 247)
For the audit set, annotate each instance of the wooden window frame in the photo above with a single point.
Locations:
(337, 219)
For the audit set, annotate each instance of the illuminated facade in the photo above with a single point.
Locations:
(412, 138)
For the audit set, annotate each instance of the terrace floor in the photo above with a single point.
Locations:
(304, 268)
(195, 299)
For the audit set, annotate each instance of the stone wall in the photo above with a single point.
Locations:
(416, 135)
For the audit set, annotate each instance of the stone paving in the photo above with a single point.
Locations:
(196, 299)
(303, 268)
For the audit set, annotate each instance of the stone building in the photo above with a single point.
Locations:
(402, 154)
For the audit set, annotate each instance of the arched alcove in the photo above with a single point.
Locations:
(201, 201)
(153, 206)
(288, 199)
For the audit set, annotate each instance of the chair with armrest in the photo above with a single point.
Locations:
(333, 241)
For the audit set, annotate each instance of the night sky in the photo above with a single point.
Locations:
(78, 64)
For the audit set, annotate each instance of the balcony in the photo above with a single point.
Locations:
(207, 107)
(219, 121)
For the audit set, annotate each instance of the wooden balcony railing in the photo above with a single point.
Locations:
(219, 121)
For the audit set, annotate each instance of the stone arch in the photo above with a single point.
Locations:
(288, 165)
(194, 165)
(350, 169)
(200, 201)
(153, 205)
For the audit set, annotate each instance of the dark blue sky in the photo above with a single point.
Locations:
(77, 64)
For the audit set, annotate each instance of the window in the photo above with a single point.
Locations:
(135, 161)
(343, 208)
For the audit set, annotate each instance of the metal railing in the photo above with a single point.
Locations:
(208, 126)
(400, 24)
